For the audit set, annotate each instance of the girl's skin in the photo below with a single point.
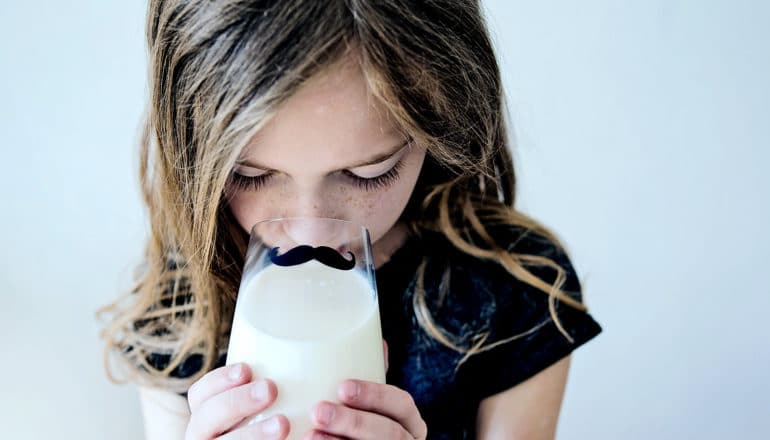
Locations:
(313, 157)
(309, 161)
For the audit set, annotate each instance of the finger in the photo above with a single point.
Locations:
(319, 435)
(217, 381)
(387, 400)
(276, 427)
(385, 353)
(339, 420)
(226, 409)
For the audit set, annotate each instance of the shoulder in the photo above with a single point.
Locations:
(544, 257)
(515, 290)
(514, 239)
(530, 257)
(513, 328)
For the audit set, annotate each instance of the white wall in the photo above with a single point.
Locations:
(642, 135)
(71, 226)
(643, 140)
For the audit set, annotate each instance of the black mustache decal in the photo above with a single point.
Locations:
(305, 253)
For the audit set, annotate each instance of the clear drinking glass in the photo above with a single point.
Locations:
(307, 314)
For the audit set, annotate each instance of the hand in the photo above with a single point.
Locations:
(224, 397)
(368, 411)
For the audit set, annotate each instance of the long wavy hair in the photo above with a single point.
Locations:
(220, 69)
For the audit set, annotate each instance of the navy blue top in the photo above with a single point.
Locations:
(478, 295)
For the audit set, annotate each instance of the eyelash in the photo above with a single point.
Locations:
(254, 183)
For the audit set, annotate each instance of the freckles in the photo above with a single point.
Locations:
(377, 206)
(349, 198)
(367, 208)
(371, 206)
(345, 195)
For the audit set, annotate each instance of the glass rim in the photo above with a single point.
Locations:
(326, 219)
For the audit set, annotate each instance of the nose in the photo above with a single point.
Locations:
(317, 206)
(307, 228)
(316, 231)
(312, 199)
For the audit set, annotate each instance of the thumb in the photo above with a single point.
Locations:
(385, 352)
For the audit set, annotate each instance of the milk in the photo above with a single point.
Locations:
(308, 328)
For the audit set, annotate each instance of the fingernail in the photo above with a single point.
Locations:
(271, 426)
(326, 414)
(235, 372)
(351, 390)
(259, 390)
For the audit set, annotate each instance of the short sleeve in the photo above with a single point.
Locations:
(190, 366)
(524, 338)
(150, 345)
(155, 360)
(187, 368)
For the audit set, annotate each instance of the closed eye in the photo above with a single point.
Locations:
(251, 178)
(254, 183)
(374, 183)
(248, 183)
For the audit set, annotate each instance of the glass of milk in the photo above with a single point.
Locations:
(307, 314)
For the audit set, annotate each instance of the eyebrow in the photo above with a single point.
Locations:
(382, 157)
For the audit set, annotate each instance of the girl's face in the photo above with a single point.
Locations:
(330, 151)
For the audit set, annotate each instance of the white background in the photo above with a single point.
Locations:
(641, 137)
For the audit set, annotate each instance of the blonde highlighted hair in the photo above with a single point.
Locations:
(218, 72)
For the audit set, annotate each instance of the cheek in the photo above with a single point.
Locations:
(380, 211)
(245, 207)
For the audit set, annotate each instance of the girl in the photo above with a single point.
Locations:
(387, 113)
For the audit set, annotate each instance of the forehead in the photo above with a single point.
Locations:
(332, 118)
